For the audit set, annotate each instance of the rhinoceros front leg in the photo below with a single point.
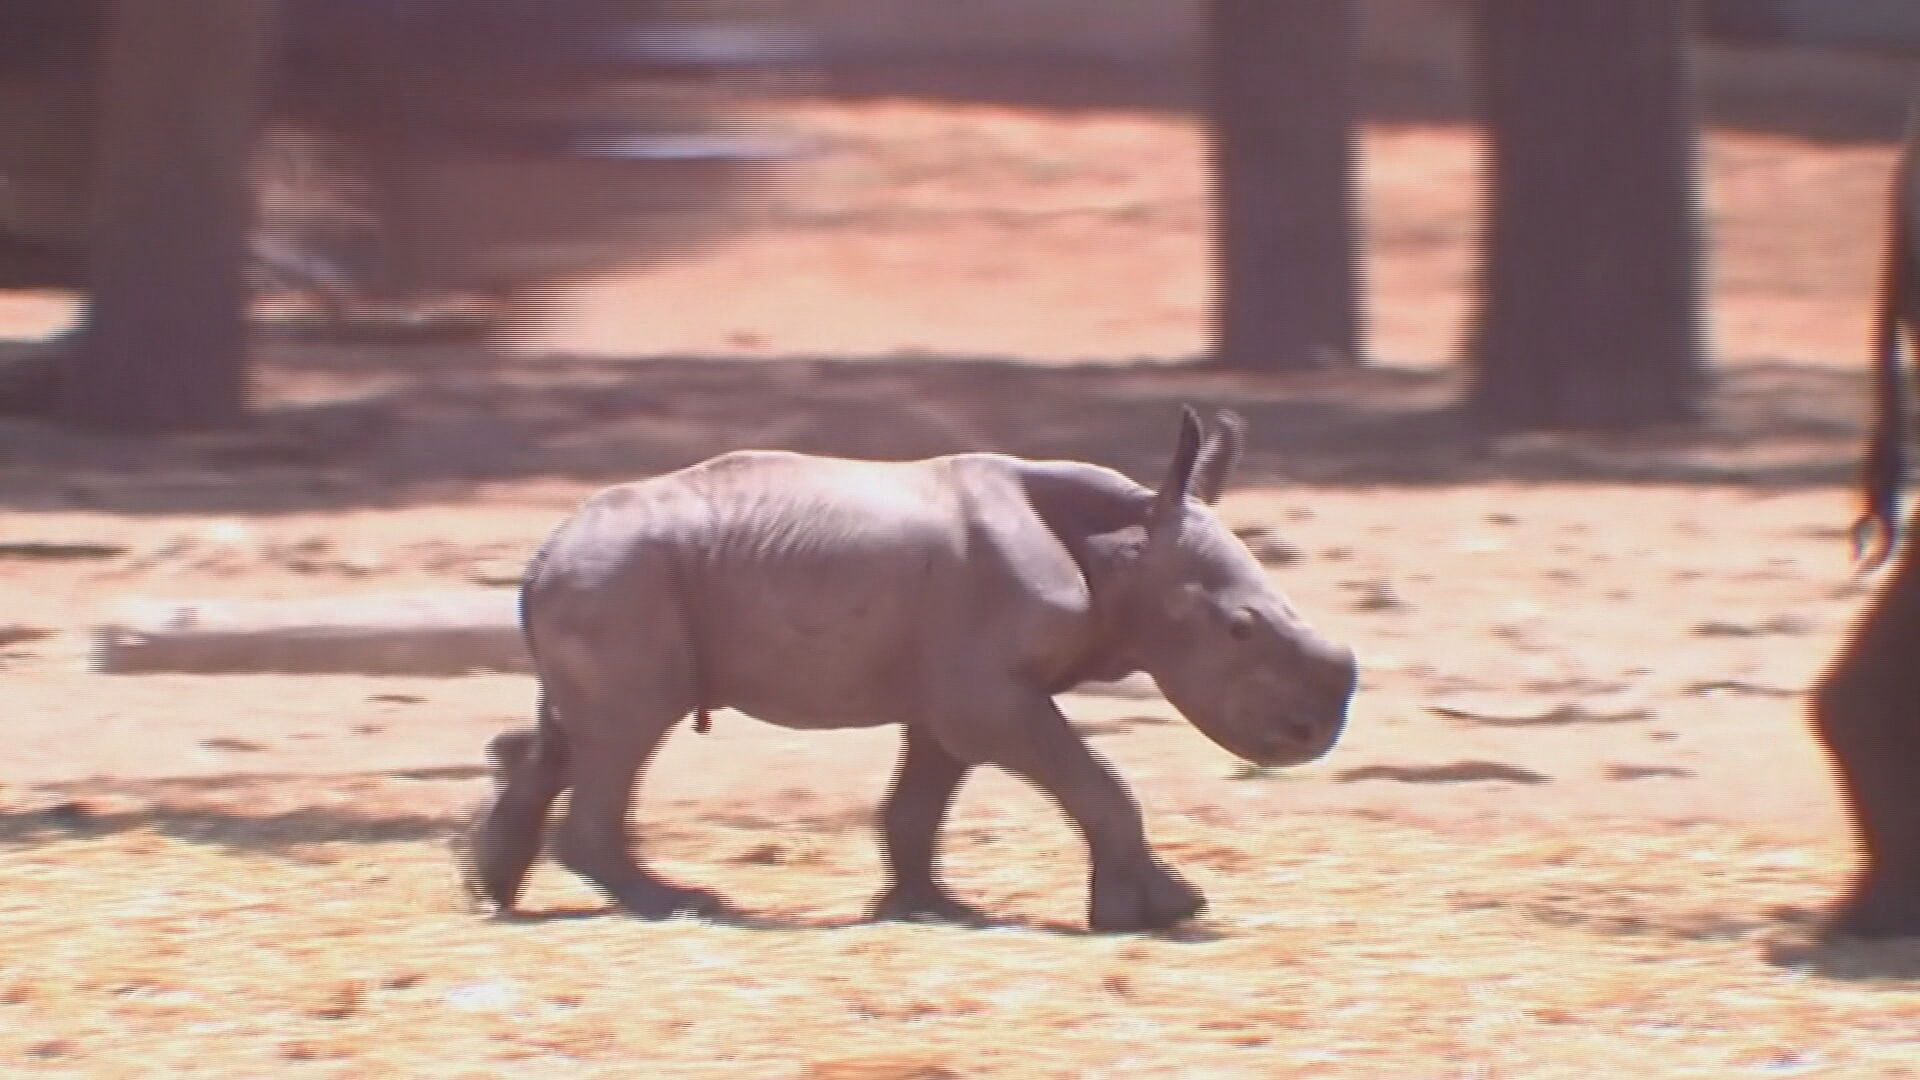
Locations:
(606, 750)
(1131, 889)
(923, 789)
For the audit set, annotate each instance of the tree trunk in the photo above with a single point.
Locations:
(1591, 279)
(164, 343)
(1282, 76)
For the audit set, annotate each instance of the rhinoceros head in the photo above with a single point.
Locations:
(1225, 646)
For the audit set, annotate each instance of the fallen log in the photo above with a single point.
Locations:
(450, 632)
(429, 633)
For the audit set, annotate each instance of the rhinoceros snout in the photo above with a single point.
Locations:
(1314, 714)
(1332, 672)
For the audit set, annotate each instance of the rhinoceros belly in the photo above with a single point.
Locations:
(827, 616)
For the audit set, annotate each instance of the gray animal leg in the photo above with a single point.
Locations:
(1131, 889)
(924, 785)
(607, 753)
(529, 772)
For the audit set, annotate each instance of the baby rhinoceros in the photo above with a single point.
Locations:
(954, 596)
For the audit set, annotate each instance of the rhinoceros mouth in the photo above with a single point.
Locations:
(1266, 728)
(1278, 746)
(1296, 754)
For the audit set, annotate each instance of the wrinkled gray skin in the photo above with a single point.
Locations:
(954, 596)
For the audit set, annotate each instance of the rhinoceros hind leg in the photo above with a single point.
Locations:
(923, 788)
(529, 772)
(592, 839)
(641, 894)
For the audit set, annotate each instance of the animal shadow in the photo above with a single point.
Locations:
(1558, 716)
(1457, 772)
(1648, 772)
(732, 916)
(1807, 946)
(272, 834)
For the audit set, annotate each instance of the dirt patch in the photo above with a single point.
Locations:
(1338, 946)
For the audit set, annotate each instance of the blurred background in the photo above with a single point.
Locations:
(1246, 184)
(1550, 319)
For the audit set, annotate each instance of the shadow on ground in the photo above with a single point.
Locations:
(1458, 772)
(344, 427)
(1847, 959)
(267, 812)
(278, 833)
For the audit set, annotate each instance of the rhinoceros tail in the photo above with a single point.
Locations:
(544, 718)
(549, 727)
(696, 647)
(683, 577)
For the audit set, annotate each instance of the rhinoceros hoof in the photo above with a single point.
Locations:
(1153, 898)
(497, 882)
(927, 905)
(494, 866)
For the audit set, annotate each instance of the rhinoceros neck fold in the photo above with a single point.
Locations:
(1100, 517)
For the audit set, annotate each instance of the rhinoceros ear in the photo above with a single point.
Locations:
(1171, 499)
(1219, 455)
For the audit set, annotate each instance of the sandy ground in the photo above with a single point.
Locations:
(1565, 631)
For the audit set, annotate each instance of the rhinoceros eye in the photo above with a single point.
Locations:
(1240, 625)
